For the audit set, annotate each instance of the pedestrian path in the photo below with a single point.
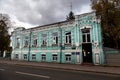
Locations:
(76, 67)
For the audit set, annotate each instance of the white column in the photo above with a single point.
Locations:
(97, 58)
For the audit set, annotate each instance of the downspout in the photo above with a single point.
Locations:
(29, 45)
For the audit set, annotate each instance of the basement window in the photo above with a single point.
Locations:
(68, 57)
(43, 57)
(25, 56)
(54, 57)
(33, 56)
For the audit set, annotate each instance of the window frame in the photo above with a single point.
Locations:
(17, 42)
(16, 56)
(55, 38)
(33, 56)
(68, 57)
(68, 37)
(25, 56)
(35, 41)
(43, 57)
(26, 40)
(44, 39)
(54, 57)
(85, 34)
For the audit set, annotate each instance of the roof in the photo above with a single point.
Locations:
(84, 14)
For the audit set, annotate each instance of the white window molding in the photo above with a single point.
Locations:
(43, 53)
(44, 39)
(68, 58)
(67, 53)
(54, 53)
(86, 36)
(43, 57)
(68, 38)
(25, 56)
(35, 41)
(55, 38)
(26, 41)
(54, 57)
(33, 56)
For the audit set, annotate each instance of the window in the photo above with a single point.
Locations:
(26, 41)
(68, 37)
(55, 38)
(25, 56)
(43, 57)
(33, 57)
(18, 42)
(34, 44)
(44, 39)
(54, 57)
(68, 57)
(86, 35)
(16, 56)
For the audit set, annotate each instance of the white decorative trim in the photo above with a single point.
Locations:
(96, 50)
(71, 50)
(86, 27)
(43, 53)
(77, 44)
(25, 53)
(17, 53)
(54, 53)
(68, 53)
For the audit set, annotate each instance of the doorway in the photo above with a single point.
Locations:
(87, 52)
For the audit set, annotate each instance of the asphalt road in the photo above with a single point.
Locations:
(17, 72)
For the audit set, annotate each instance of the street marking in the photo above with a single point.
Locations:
(29, 74)
(2, 69)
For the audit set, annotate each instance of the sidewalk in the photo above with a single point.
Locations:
(76, 67)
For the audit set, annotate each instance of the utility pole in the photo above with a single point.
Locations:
(60, 45)
(29, 45)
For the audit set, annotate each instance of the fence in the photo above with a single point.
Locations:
(112, 57)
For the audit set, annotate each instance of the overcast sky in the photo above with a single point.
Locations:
(28, 13)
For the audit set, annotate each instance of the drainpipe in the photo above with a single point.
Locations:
(29, 45)
(60, 45)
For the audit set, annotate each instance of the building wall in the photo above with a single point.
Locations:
(86, 21)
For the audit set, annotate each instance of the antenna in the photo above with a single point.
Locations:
(71, 6)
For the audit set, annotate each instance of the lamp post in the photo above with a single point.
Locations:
(29, 45)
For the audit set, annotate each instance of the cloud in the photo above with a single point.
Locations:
(39, 12)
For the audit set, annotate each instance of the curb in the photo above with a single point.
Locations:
(70, 69)
(83, 70)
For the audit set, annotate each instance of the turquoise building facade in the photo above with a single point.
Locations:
(76, 41)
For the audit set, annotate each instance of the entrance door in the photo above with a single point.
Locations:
(87, 52)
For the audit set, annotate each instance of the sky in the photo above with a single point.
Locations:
(31, 13)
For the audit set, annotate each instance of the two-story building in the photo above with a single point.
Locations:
(76, 41)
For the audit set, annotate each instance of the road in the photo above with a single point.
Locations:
(17, 72)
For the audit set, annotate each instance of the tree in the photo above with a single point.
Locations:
(71, 16)
(4, 35)
(109, 10)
